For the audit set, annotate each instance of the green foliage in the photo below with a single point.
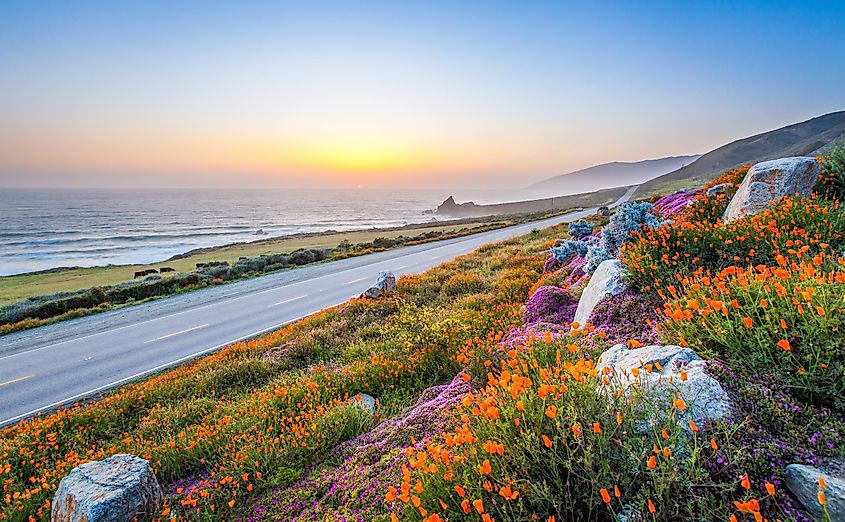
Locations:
(831, 183)
(786, 321)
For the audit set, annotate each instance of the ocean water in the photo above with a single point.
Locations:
(41, 229)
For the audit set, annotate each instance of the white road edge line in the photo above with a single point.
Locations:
(174, 334)
(288, 300)
(355, 281)
(138, 375)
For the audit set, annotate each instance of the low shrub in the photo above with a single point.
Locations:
(580, 229)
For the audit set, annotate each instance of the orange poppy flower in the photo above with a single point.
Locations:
(485, 467)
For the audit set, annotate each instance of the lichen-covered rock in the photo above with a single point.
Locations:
(803, 482)
(721, 188)
(769, 181)
(385, 283)
(606, 280)
(367, 402)
(704, 397)
(118, 489)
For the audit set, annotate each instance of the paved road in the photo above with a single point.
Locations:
(62, 363)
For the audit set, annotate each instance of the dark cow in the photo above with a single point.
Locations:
(166, 269)
(141, 273)
(151, 271)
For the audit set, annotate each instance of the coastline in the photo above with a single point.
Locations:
(61, 279)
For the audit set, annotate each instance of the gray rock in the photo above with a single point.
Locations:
(385, 283)
(368, 402)
(803, 482)
(721, 188)
(605, 281)
(769, 181)
(117, 489)
(704, 397)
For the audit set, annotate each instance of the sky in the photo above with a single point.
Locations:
(384, 94)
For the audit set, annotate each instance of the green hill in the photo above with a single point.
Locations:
(800, 139)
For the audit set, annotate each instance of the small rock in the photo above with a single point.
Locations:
(368, 402)
(117, 489)
(803, 482)
(385, 283)
(704, 397)
(721, 188)
(769, 181)
(605, 281)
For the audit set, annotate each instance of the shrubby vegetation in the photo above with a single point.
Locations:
(257, 415)
(520, 424)
(699, 243)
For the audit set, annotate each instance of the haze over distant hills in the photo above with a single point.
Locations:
(614, 174)
(807, 138)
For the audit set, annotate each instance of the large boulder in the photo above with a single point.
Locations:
(771, 180)
(605, 281)
(385, 283)
(803, 482)
(118, 489)
(674, 370)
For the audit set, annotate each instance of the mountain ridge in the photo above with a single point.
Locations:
(614, 174)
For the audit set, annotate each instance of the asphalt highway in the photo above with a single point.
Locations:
(44, 368)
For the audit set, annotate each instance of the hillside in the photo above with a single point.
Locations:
(615, 174)
(801, 139)
(659, 363)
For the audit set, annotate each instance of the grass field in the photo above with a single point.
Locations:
(16, 287)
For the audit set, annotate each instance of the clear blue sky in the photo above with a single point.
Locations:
(361, 92)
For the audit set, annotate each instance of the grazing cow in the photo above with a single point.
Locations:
(200, 265)
(167, 269)
(141, 273)
(151, 271)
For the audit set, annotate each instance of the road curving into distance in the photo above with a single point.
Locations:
(59, 364)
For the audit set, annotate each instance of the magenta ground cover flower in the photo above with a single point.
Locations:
(550, 304)
(353, 487)
(629, 315)
(673, 203)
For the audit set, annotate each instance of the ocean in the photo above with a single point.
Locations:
(42, 229)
